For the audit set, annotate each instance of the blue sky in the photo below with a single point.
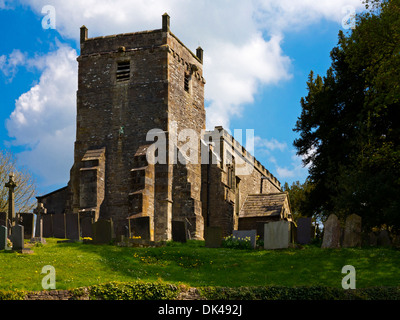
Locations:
(264, 48)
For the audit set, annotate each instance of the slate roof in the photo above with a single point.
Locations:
(261, 205)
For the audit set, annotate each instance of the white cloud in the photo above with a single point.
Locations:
(292, 15)
(9, 64)
(296, 168)
(44, 117)
(269, 144)
(241, 39)
(242, 42)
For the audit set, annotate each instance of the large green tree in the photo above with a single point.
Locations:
(350, 122)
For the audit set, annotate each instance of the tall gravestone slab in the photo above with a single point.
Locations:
(383, 239)
(27, 220)
(3, 219)
(213, 237)
(72, 226)
(303, 235)
(277, 235)
(103, 231)
(352, 232)
(86, 227)
(244, 235)
(331, 238)
(48, 226)
(17, 237)
(3, 237)
(179, 231)
(59, 225)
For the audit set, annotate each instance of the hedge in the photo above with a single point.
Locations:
(163, 291)
(299, 293)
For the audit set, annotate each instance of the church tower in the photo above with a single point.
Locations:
(128, 85)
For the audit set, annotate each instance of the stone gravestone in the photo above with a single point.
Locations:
(17, 237)
(59, 225)
(72, 226)
(243, 235)
(3, 237)
(86, 227)
(26, 220)
(303, 235)
(384, 239)
(352, 232)
(179, 231)
(277, 235)
(48, 226)
(3, 219)
(213, 237)
(103, 231)
(331, 238)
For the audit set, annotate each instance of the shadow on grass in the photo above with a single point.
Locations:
(195, 265)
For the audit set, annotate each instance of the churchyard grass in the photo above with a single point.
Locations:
(80, 264)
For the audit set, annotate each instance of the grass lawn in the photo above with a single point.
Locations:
(79, 265)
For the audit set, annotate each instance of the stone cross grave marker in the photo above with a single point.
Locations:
(38, 235)
(3, 237)
(331, 237)
(243, 235)
(11, 185)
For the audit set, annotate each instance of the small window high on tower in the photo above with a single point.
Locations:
(123, 71)
(187, 82)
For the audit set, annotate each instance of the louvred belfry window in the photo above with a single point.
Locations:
(123, 71)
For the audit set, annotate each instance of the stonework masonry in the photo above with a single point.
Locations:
(128, 85)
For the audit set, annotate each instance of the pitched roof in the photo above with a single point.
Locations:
(261, 205)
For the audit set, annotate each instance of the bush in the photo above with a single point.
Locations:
(236, 243)
(133, 291)
(299, 293)
(12, 295)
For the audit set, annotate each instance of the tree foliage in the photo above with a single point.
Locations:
(24, 192)
(350, 122)
(298, 193)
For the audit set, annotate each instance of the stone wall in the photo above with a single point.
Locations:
(228, 191)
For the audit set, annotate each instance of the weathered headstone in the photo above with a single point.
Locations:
(179, 231)
(3, 218)
(59, 225)
(213, 237)
(352, 232)
(72, 226)
(3, 237)
(86, 227)
(331, 237)
(246, 235)
(48, 226)
(27, 220)
(103, 231)
(303, 230)
(384, 239)
(17, 237)
(277, 235)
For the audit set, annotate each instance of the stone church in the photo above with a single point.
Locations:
(133, 90)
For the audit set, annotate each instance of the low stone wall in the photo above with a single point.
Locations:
(185, 294)
(56, 295)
